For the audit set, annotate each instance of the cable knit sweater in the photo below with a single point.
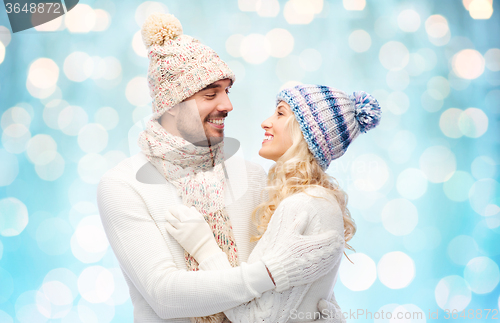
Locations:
(133, 198)
(296, 304)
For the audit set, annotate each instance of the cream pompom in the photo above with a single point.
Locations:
(160, 27)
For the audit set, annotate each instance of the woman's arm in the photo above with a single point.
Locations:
(146, 259)
(274, 306)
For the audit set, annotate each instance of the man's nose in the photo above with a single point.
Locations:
(225, 104)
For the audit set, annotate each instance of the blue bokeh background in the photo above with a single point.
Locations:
(423, 186)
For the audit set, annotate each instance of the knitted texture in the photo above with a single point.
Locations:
(296, 259)
(329, 118)
(191, 169)
(179, 65)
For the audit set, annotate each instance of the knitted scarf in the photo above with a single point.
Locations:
(191, 170)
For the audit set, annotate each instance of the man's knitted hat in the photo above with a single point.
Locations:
(179, 65)
(330, 119)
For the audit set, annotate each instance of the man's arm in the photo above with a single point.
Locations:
(144, 255)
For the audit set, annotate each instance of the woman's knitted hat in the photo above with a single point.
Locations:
(179, 65)
(330, 119)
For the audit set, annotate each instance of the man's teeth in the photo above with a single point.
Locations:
(216, 121)
(268, 137)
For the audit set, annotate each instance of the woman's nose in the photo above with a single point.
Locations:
(266, 124)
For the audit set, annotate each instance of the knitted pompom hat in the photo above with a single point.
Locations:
(330, 119)
(179, 65)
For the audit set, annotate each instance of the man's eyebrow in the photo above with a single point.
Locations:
(211, 86)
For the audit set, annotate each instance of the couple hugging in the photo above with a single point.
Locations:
(200, 248)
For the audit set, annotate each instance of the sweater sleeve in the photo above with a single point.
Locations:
(145, 258)
(274, 306)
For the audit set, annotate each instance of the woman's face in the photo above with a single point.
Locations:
(277, 138)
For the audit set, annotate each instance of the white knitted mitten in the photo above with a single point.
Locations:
(298, 259)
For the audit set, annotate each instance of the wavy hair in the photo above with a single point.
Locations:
(293, 173)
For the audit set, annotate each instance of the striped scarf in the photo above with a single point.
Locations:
(191, 170)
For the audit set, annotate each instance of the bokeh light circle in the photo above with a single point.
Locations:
(409, 20)
(93, 138)
(255, 48)
(462, 249)
(452, 293)
(411, 183)
(482, 274)
(468, 64)
(396, 270)
(394, 55)
(280, 42)
(360, 276)
(13, 217)
(438, 163)
(360, 41)
(399, 217)
(71, 119)
(473, 122)
(458, 186)
(369, 172)
(96, 284)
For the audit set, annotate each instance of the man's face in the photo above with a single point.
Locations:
(211, 106)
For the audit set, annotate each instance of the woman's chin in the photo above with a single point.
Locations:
(265, 154)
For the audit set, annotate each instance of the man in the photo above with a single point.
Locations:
(182, 148)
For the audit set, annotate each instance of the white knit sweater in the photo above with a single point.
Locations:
(132, 208)
(297, 304)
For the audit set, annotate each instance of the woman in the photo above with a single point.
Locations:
(312, 126)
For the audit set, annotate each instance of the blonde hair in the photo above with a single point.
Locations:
(294, 172)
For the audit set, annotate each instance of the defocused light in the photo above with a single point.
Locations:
(137, 91)
(482, 274)
(103, 20)
(51, 112)
(430, 58)
(146, 8)
(438, 30)
(89, 242)
(492, 58)
(5, 318)
(429, 102)
(233, 45)
(71, 119)
(54, 300)
(458, 186)
(396, 270)
(399, 217)
(360, 275)
(294, 17)
(468, 64)
(2, 53)
(93, 138)
(280, 42)
(80, 19)
(107, 117)
(409, 20)
(394, 55)
(483, 194)
(51, 170)
(402, 146)
(462, 249)
(91, 167)
(268, 8)
(411, 183)
(354, 4)
(415, 241)
(467, 3)
(15, 138)
(369, 172)
(452, 293)
(448, 123)
(95, 312)
(15, 115)
(5, 36)
(310, 59)
(398, 81)
(438, 163)
(438, 87)
(9, 168)
(289, 68)
(96, 284)
(238, 69)
(121, 291)
(386, 26)
(41, 149)
(289, 84)
(307, 6)
(78, 66)
(483, 167)
(480, 9)
(13, 217)
(360, 41)
(248, 5)
(43, 73)
(473, 122)
(255, 48)
(138, 45)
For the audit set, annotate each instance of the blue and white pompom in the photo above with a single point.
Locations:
(367, 110)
